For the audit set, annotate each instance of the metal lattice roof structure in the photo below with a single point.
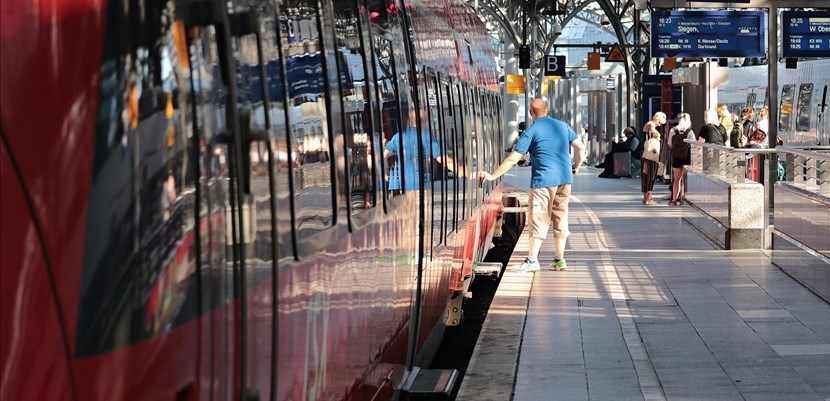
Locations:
(544, 25)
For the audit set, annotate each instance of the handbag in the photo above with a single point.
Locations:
(651, 152)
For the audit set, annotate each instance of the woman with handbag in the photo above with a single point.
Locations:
(651, 154)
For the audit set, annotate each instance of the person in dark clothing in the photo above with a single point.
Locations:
(629, 145)
(748, 121)
(712, 132)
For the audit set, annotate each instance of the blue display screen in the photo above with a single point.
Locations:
(708, 33)
(806, 33)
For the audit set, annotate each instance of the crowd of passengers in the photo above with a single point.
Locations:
(654, 154)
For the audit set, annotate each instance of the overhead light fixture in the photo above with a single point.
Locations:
(605, 21)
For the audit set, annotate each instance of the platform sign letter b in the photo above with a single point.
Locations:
(554, 66)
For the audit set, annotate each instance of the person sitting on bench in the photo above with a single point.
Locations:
(630, 145)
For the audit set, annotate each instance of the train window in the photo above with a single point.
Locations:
(805, 94)
(787, 98)
(388, 99)
(484, 131)
(433, 157)
(461, 150)
(452, 155)
(155, 148)
(357, 117)
(308, 104)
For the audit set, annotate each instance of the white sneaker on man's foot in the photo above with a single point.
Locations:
(527, 266)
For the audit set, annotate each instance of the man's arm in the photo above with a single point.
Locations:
(504, 167)
(579, 153)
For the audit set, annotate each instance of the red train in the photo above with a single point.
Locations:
(241, 200)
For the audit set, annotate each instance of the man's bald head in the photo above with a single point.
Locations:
(538, 108)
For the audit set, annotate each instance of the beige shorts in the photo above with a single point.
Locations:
(549, 205)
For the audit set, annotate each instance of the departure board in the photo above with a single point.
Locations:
(708, 33)
(806, 33)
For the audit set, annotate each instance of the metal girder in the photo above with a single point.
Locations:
(751, 4)
(622, 16)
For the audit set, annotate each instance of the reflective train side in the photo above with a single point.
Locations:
(207, 201)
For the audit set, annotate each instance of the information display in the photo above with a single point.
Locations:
(708, 33)
(806, 33)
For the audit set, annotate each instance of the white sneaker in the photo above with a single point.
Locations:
(528, 266)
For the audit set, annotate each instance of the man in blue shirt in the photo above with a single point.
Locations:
(407, 141)
(548, 141)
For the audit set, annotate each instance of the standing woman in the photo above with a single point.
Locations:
(763, 123)
(725, 119)
(651, 154)
(712, 131)
(681, 156)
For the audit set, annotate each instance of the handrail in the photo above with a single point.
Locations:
(807, 151)
(731, 149)
(724, 161)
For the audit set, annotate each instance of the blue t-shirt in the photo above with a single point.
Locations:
(412, 173)
(548, 141)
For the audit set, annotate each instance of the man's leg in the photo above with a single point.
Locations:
(535, 246)
(539, 200)
(559, 219)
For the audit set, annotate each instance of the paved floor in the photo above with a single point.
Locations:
(648, 310)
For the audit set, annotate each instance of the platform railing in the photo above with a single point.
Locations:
(730, 164)
(808, 168)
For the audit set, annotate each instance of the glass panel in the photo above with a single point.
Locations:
(451, 154)
(805, 94)
(308, 122)
(152, 155)
(358, 121)
(432, 155)
(785, 119)
(460, 146)
(389, 103)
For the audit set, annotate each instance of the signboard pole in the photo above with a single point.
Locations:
(772, 135)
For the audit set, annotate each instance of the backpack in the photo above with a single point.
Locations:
(737, 138)
(679, 149)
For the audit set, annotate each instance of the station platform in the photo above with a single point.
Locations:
(647, 310)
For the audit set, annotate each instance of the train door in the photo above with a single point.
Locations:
(265, 234)
(430, 297)
(217, 128)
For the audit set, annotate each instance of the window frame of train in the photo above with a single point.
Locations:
(451, 142)
(469, 97)
(803, 115)
(785, 118)
(305, 236)
(461, 143)
(434, 126)
(395, 120)
(358, 216)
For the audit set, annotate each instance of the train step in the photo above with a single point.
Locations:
(429, 384)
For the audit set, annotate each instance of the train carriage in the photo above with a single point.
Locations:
(206, 200)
